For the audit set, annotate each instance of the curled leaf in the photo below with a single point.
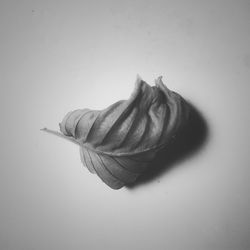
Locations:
(119, 142)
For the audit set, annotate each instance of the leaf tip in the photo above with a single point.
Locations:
(139, 82)
(138, 77)
(159, 81)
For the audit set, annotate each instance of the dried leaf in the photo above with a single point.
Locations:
(119, 142)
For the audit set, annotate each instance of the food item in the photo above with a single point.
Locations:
(119, 142)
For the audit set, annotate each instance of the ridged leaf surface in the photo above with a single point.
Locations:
(119, 142)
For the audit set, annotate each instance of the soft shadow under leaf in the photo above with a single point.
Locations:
(188, 142)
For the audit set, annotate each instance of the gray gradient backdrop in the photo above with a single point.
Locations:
(56, 56)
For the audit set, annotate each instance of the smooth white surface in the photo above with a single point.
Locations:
(57, 56)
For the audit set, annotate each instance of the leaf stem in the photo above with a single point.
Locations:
(69, 138)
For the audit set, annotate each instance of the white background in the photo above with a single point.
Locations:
(57, 56)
